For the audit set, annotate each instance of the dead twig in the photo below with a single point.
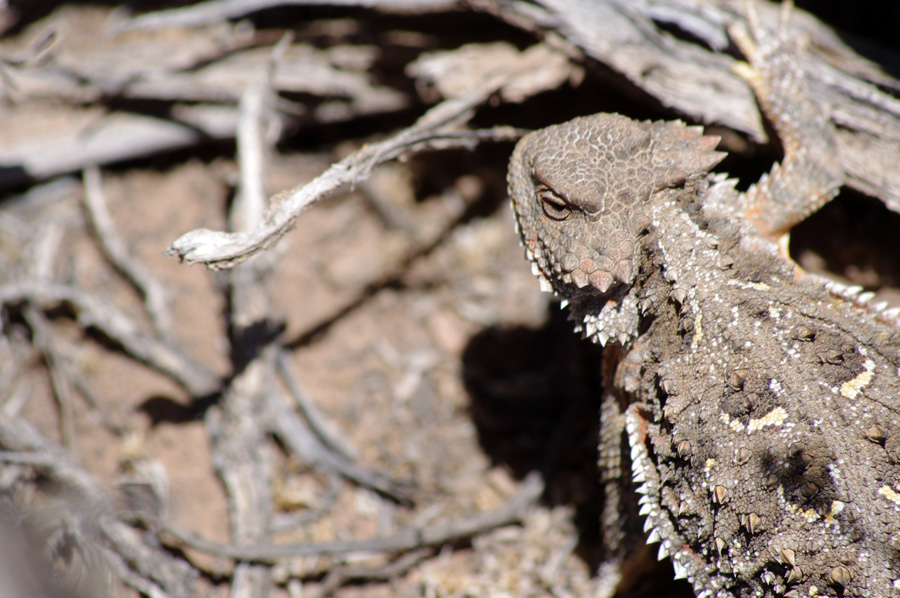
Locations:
(436, 129)
(64, 376)
(238, 427)
(156, 300)
(37, 51)
(45, 249)
(40, 47)
(341, 575)
(412, 538)
(94, 312)
(216, 11)
(131, 579)
(311, 414)
(299, 439)
(67, 361)
(59, 379)
(114, 138)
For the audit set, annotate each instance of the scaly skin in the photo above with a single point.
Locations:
(751, 411)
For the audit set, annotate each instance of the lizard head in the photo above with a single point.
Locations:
(580, 192)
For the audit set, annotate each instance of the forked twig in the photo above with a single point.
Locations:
(94, 312)
(439, 128)
(156, 300)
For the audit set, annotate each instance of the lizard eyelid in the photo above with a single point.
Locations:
(554, 205)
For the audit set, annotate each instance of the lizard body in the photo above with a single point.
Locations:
(751, 413)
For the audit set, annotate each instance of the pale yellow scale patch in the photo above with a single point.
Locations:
(809, 515)
(851, 388)
(698, 330)
(734, 424)
(890, 494)
(775, 417)
(710, 464)
(759, 286)
(836, 507)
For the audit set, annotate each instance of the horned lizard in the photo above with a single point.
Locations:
(751, 417)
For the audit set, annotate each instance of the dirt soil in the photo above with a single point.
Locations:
(412, 322)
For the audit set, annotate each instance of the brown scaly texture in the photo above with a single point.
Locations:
(752, 412)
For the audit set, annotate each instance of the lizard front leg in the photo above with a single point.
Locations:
(810, 174)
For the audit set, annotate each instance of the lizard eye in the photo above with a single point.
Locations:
(554, 206)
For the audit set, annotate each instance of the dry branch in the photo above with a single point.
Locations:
(300, 440)
(59, 375)
(412, 538)
(343, 574)
(215, 11)
(94, 312)
(201, 80)
(329, 438)
(437, 129)
(156, 300)
(239, 424)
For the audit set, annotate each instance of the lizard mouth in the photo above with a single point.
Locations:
(570, 270)
(576, 286)
(599, 302)
(587, 274)
(571, 274)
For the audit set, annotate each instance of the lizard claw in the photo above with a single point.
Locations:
(756, 27)
(759, 44)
